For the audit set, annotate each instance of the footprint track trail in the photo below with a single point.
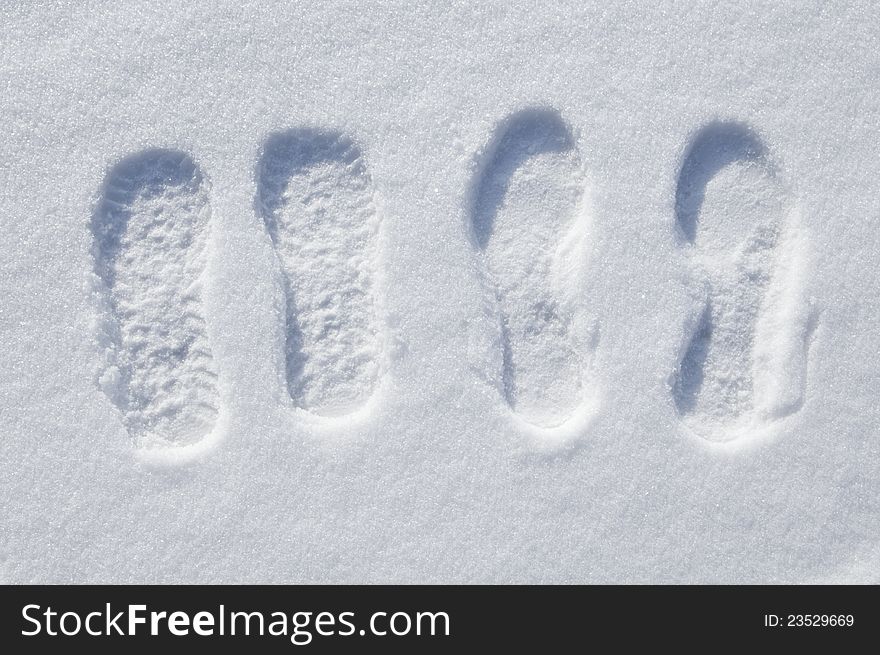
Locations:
(739, 371)
(526, 215)
(316, 198)
(150, 232)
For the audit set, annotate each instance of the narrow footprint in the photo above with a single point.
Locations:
(150, 232)
(316, 198)
(526, 216)
(744, 363)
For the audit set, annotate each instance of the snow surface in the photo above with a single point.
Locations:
(438, 292)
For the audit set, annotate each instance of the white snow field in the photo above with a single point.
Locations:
(439, 292)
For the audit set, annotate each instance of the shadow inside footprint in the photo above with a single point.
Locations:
(150, 232)
(525, 208)
(733, 211)
(315, 197)
(144, 175)
(689, 381)
(523, 135)
(714, 147)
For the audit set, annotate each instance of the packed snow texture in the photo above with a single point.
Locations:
(745, 362)
(316, 197)
(527, 198)
(150, 232)
(438, 292)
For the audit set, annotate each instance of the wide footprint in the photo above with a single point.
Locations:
(150, 231)
(739, 370)
(526, 215)
(316, 199)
